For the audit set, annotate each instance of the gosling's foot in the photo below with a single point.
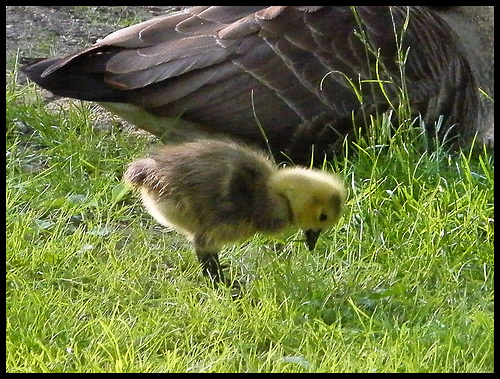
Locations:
(211, 267)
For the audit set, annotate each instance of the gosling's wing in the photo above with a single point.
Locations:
(290, 67)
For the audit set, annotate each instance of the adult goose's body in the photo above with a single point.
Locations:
(208, 71)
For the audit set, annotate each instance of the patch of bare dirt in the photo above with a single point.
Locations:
(41, 31)
(50, 31)
(56, 31)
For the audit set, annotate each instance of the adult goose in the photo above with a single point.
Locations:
(279, 77)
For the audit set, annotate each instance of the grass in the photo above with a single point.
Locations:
(93, 284)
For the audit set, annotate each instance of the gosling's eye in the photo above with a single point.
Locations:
(323, 217)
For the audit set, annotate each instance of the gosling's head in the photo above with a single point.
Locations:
(316, 199)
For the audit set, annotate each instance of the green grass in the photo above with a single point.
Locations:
(404, 283)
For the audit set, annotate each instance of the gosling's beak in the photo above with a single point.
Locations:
(312, 238)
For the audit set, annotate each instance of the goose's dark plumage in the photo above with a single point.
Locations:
(208, 71)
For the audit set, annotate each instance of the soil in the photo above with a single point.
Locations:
(46, 31)
(56, 31)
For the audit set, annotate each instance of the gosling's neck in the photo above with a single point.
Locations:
(283, 186)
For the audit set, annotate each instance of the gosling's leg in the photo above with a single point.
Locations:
(209, 258)
(208, 255)
(210, 266)
(213, 269)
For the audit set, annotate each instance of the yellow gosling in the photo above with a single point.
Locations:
(221, 192)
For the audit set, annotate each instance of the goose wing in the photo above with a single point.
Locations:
(291, 67)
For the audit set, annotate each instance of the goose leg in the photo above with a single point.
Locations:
(210, 266)
(208, 257)
(213, 269)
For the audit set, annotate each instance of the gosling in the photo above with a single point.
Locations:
(220, 192)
